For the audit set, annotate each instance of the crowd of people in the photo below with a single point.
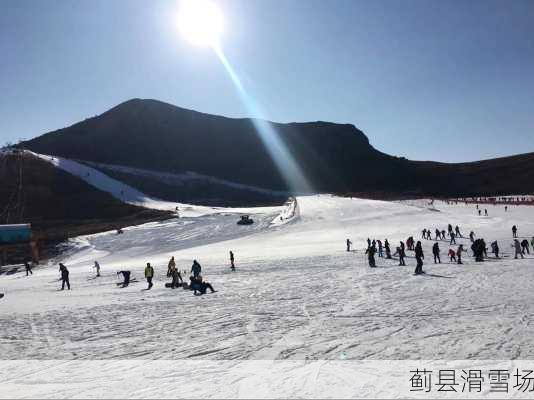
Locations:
(478, 247)
(196, 282)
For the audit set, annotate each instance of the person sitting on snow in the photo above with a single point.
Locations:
(198, 285)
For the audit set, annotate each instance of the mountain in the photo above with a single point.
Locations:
(157, 136)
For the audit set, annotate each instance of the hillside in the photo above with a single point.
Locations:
(156, 136)
(57, 204)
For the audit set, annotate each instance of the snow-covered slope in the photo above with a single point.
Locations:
(130, 195)
(297, 293)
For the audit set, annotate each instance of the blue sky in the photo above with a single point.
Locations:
(441, 80)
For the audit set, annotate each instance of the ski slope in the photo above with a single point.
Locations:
(130, 195)
(297, 295)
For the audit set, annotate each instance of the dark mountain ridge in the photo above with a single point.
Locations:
(335, 158)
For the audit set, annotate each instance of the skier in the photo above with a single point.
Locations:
(423, 235)
(64, 276)
(232, 265)
(170, 266)
(435, 251)
(472, 236)
(479, 213)
(348, 244)
(196, 268)
(388, 250)
(495, 249)
(438, 234)
(126, 276)
(428, 234)
(368, 242)
(457, 230)
(517, 246)
(380, 249)
(419, 256)
(443, 234)
(485, 212)
(28, 267)
(453, 236)
(149, 274)
(459, 252)
(452, 255)
(524, 246)
(97, 267)
(514, 231)
(410, 243)
(371, 256)
(449, 229)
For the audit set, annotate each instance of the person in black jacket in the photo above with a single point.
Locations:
(419, 256)
(64, 276)
(435, 251)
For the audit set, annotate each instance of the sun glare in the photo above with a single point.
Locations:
(200, 22)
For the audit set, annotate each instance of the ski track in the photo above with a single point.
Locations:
(297, 294)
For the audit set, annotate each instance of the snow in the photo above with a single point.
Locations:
(296, 296)
(130, 195)
(180, 179)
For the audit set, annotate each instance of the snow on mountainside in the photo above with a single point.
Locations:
(133, 196)
(180, 179)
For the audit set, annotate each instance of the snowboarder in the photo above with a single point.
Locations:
(457, 230)
(435, 251)
(495, 249)
(380, 249)
(459, 252)
(64, 276)
(388, 249)
(196, 268)
(514, 231)
(149, 274)
(371, 256)
(452, 255)
(348, 244)
(28, 267)
(419, 256)
(232, 265)
(170, 266)
(517, 246)
(453, 238)
(97, 267)
(524, 246)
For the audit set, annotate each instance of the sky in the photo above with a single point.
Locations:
(437, 80)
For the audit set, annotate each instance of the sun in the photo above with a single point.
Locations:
(201, 22)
